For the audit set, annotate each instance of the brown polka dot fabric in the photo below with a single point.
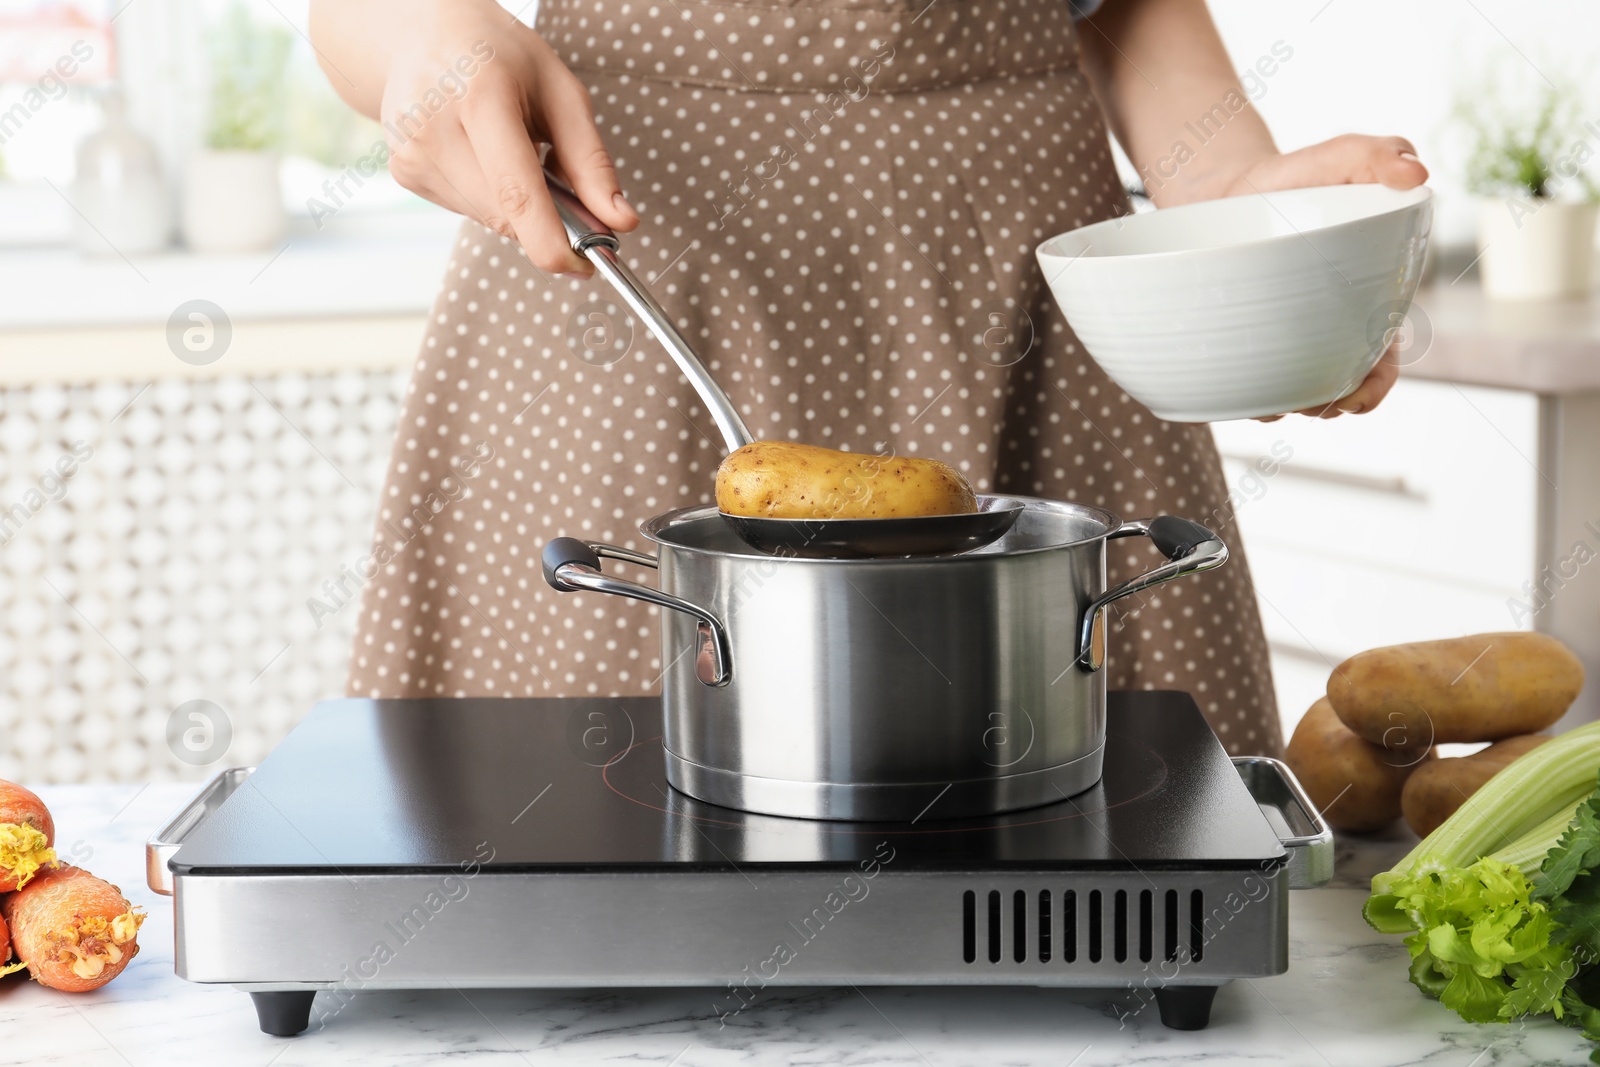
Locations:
(840, 204)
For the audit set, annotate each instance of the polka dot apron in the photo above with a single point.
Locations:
(840, 203)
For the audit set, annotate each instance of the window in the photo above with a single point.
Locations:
(227, 72)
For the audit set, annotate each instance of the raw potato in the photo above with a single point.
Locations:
(73, 930)
(787, 480)
(26, 834)
(1434, 793)
(1356, 785)
(1479, 688)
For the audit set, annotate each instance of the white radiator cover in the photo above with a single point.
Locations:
(175, 561)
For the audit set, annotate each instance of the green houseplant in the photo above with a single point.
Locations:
(1531, 167)
(233, 201)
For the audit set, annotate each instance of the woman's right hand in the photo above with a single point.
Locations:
(466, 95)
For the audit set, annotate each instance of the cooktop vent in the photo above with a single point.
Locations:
(1073, 926)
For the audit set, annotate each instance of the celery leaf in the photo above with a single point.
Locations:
(1482, 945)
(1576, 852)
(1570, 884)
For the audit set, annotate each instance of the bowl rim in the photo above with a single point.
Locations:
(1411, 199)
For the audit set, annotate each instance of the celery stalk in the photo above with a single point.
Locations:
(1527, 852)
(1531, 791)
(1501, 904)
(1527, 796)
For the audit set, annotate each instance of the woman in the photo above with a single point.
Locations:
(838, 202)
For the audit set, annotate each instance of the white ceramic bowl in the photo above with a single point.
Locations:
(1253, 305)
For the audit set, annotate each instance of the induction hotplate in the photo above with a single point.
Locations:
(535, 842)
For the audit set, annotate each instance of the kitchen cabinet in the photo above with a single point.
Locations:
(1468, 502)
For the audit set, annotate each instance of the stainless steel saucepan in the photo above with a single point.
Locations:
(885, 688)
(824, 538)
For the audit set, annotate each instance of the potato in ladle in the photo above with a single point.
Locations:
(789, 480)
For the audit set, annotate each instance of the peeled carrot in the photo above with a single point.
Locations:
(75, 932)
(26, 834)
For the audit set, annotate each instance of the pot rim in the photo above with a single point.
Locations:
(653, 528)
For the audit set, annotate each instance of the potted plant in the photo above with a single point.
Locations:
(1536, 221)
(233, 201)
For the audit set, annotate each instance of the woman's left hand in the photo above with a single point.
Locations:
(1343, 160)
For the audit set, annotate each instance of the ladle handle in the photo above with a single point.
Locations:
(594, 240)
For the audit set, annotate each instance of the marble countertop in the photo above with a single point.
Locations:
(1345, 1000)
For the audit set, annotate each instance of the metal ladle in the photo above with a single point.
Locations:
(930, 535)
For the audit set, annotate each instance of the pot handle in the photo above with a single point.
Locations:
(1188, 546)
(570, 564)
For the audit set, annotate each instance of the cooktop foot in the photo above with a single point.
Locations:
(287, 1012)
(1185, 1007)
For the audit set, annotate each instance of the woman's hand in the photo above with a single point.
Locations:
(1343, 160)
(466, 95)
(1151, 63)
(1348, 160)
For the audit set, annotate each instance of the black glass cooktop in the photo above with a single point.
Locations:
(369, 786)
